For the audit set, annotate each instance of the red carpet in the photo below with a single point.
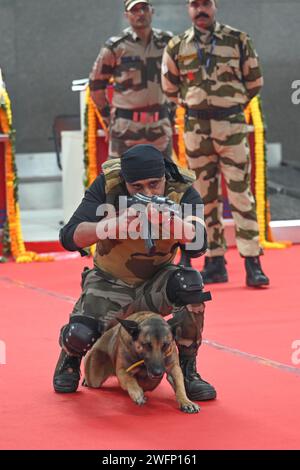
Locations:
(247, 356)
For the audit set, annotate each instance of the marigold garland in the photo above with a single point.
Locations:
(90, 142)
(181, 157)
(13, 238)
(92, 118)
(262, 208)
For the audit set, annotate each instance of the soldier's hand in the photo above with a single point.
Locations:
(128, 223)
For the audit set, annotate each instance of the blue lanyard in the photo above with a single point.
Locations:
(200, 53)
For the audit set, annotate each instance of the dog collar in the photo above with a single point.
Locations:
(136, 364)
(139, 363)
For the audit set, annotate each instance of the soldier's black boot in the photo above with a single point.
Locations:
(67, 373)
(196, 388)
(214, 270)
(255, 275)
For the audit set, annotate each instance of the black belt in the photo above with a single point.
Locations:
(214, 113)
(143, 115)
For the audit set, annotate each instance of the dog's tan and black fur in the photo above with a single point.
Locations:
(138, 351)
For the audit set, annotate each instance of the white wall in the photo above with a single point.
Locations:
(40, 184)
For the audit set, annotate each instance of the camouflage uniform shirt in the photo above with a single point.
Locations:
(230, 76)
(136, 70)
(136, 73)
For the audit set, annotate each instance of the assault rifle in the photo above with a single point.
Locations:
(163, 204)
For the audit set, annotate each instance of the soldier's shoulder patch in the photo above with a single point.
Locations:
(115, 40)
(174, 46)
(162, 38)
(168, 33)
(164, 34)
(175, 41)
(232, 31)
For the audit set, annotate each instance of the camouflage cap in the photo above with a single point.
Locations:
(130, 3)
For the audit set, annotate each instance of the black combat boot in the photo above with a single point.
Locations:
(214, 270)
(67, 373)
(255, 275)
(196, 388)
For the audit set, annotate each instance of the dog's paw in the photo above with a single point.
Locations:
(189, 407)
(141, 400)
(138, 397)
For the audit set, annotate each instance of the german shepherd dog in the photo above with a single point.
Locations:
(139, 351)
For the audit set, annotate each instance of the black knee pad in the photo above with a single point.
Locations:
(185, 286)
(80, 334)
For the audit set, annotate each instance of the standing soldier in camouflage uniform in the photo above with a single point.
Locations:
(140, 113)
(126, 277)
(213, 70)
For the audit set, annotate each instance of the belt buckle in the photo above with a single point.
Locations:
(135, 116)
(156, 116)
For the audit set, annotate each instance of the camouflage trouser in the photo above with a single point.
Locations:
(105, 298)
(125, 133)
(221, 146)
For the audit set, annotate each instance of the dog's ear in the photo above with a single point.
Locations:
(131, 327)
(175, 324)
